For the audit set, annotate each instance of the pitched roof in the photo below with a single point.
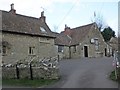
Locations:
(114, 40)
(24, 24)
(79, 33)
(62, 39)
(76, 36)
(114, 43)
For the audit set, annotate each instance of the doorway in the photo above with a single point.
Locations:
(85, 51)
(105, 52)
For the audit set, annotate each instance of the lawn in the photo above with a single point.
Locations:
(27, 82)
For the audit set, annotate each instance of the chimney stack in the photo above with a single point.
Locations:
(13, 11)
(66, 27)
(43, 18)
(67, 30)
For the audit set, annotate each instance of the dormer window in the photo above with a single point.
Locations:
(42, 30)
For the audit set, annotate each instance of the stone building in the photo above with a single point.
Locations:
(25, 37)
(114, 44)
(83, 41)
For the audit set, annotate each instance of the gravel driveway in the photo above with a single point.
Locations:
(85, 73)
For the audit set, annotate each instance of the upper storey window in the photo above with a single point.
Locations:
(43, 30)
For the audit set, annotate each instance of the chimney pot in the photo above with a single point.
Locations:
(13, 11)
(42, 13)
(66, 27)
(12, 6)
(67, 30)
(43, 18)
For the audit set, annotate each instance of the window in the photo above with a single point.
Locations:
(74, 49)
(43, 30)
(60, 48)
(96, 44)
(31, 50)
(4, 50)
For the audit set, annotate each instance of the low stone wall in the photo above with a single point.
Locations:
(37, 73)
(45, 69)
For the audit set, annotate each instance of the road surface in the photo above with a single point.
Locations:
(85, 73)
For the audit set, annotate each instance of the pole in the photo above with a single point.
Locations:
(116, 72)
(17, 72)
(31, 73)
(58, 58)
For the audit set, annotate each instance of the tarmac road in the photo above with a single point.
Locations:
(85, 73)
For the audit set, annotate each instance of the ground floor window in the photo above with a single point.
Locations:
(4, 50)
(60, 48)
(31, 50)
(74, 49)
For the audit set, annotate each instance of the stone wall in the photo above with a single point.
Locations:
(95, 33)
(70, 52)
(38, 73)
(65, 53)
(19, 47)
(45, 69)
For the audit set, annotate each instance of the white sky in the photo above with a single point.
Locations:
(74, 13)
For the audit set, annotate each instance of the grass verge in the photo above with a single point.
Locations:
(112, 76)
(28, 83)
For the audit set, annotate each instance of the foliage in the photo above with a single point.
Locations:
(99, 20)
(112, 76)
(119, 75)
(108, 33)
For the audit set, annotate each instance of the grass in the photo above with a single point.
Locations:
(112, 76)
(28, 82)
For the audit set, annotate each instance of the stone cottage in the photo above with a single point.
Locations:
(114, 44)
(25, 37)
(83, 41)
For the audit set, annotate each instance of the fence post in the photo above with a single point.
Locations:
(31, 73)
(17, 72)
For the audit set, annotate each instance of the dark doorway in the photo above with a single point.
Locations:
(85, 51)
(105, 52)
(112, 52)
(69, 52)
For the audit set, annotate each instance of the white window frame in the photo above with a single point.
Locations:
(96, 44)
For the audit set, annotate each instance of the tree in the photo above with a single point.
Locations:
(99, 20)
(108, 33)
(55, 28)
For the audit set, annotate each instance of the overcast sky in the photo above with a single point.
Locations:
(74, 13)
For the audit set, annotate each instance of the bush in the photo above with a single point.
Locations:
(113, 77)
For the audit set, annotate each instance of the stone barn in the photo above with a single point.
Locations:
(83, 41)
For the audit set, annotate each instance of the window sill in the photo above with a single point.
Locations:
(60, 52)
(31, 54)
